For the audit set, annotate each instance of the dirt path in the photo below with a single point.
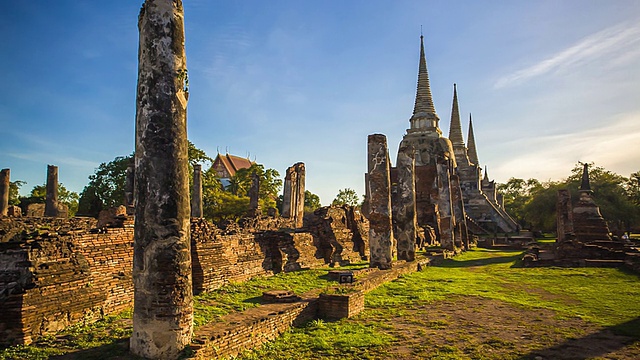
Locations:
(480, 328)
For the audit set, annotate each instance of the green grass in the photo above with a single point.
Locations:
(109, 333)
(232, 297)
(608, 297)
(333, 340)
(106, 334)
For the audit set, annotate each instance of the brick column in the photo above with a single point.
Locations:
(404, 205)
(163, 299)
(51, 202)
(196, 195)
(5, 186)
(380, 227)
(564, 215)
(254, 195)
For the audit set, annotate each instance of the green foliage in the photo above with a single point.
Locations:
(346, 197)
(311, 201)
(106, 187)
(39, 195)
(14, 191)
(533, 203)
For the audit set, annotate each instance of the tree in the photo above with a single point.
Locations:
(311, 201)
(534, 203)
(270, 184)
(14, 191)
(633, 188)
(106, 187)
(346, 197)
(517, 193)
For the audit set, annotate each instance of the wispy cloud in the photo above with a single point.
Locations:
(555, 155)
(615, 40)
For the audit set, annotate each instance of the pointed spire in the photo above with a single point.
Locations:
(585, 186)
(486, 174)
(424, 112)
(471, 142)
(455, 129)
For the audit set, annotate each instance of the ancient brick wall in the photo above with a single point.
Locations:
(58, 272)
(61, 273)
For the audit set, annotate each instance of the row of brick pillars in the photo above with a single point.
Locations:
(392, 219)
(51, 209)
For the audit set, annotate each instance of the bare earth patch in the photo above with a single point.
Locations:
(480, 328)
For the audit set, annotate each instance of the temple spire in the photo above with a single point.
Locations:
(486, 174)
(471, 142)
(455, 129)
(424, 112)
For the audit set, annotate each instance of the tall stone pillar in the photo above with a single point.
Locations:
(289, 181)
(163, 299)
(129, 188)
(564, 215)
(5, 186)
(51, 201)
(254, 195)
(298, 203)
(196, 194)
(379, 187)
(404, 204)
(293, 196)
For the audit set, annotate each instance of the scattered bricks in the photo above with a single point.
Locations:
(280, 296)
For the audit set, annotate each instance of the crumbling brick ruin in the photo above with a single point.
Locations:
(583, 236)
(56, 272)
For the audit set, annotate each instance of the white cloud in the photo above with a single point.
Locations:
(613, 42)
(614, 146)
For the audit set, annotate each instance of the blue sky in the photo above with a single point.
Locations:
(549, 83)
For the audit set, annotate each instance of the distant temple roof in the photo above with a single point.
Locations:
(227, 165)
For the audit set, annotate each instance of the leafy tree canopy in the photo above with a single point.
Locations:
(311, 201)
(14, 191)
(39, 195)
(346, 196)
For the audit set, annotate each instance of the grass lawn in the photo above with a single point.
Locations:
(480, 305)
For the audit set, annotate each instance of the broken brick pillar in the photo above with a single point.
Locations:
(163, 298)
(379, 187)
(196, 194)
(404, 204)
(293, 196)
(51, 201)
(128, 188)
(564, 215)
(254, 195)
(5, 186)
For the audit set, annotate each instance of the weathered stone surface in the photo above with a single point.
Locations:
(196, 195)
(404, 205)
(293, 196)
(51, 204)
(564, 215)
(163, 300)
(380, 225)
(5, 182)
(254, 195)
(129, 188)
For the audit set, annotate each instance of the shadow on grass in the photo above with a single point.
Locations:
(453, 263)
(594, 345)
